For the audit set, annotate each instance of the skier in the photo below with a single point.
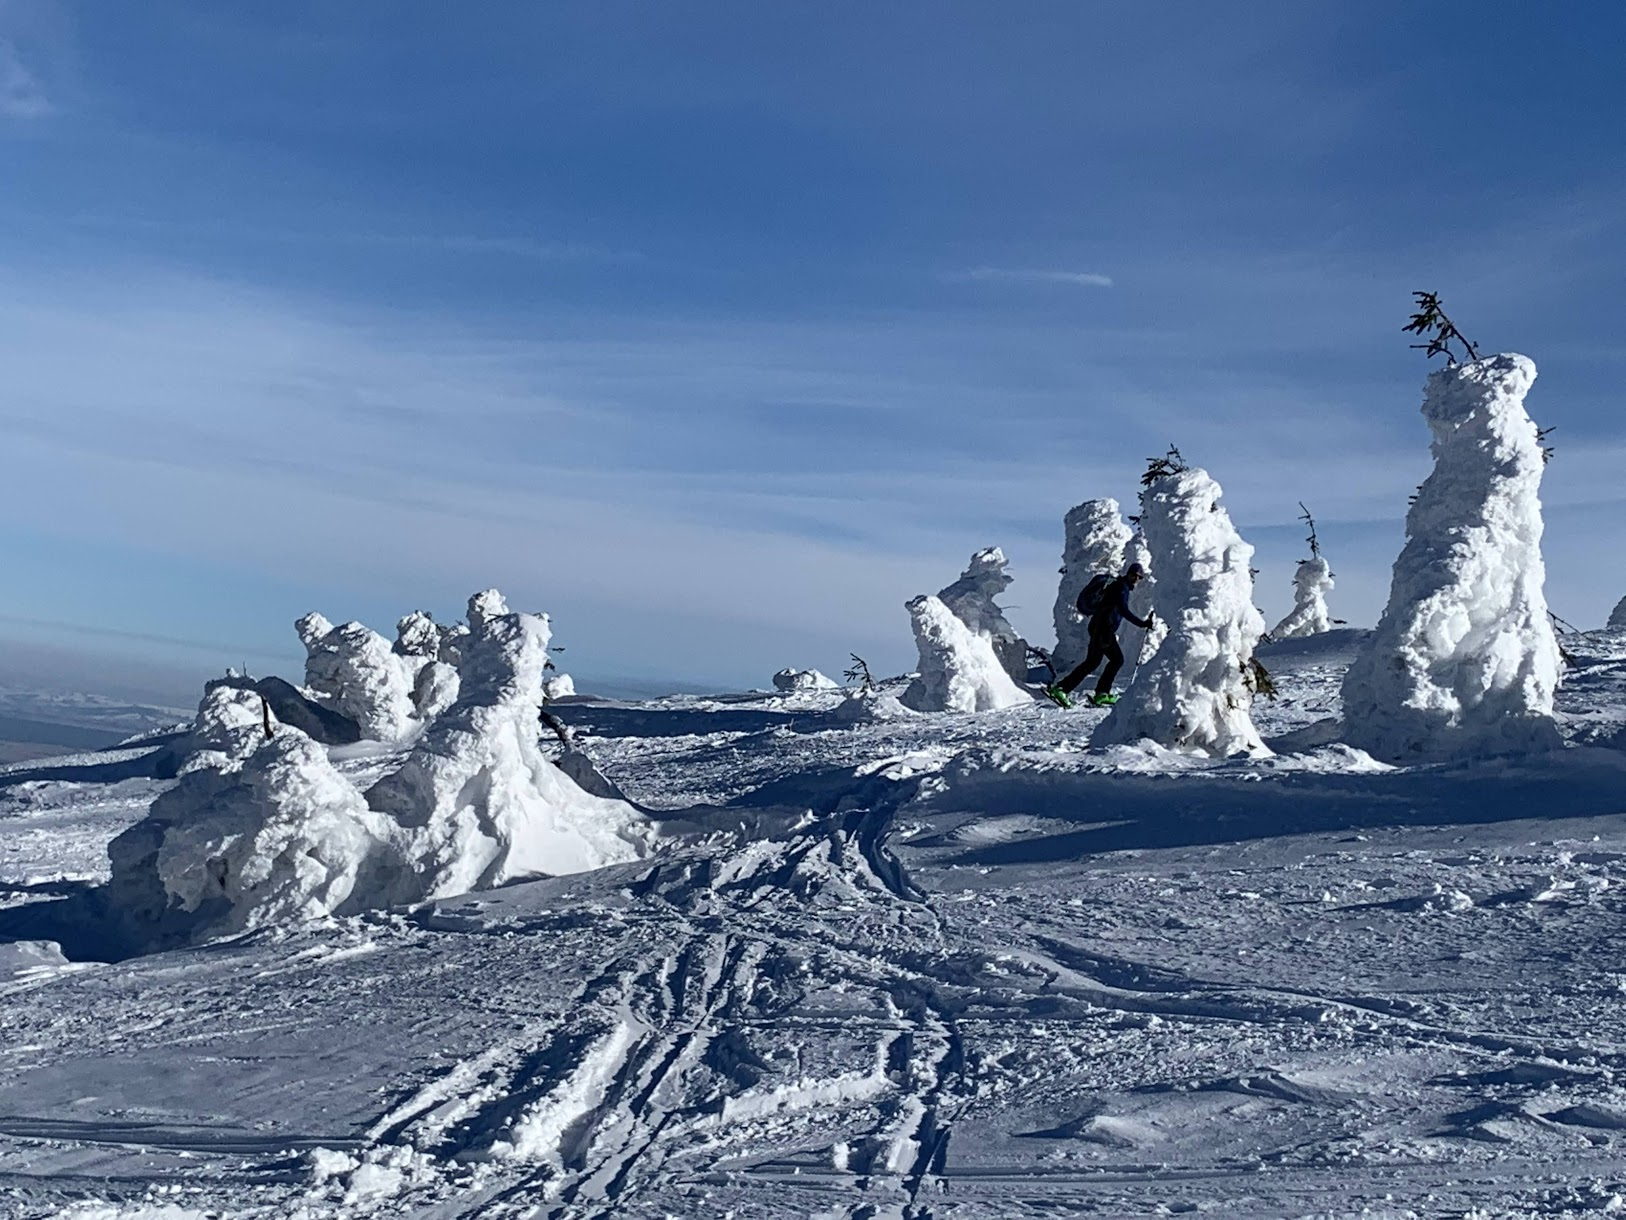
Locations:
(1111, 607)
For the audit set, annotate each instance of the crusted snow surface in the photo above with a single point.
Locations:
(1094, 542)
(959, 669)
(1464, 660)
(971, 600)
(1312, 581)
(961, 966)
(1193, 694)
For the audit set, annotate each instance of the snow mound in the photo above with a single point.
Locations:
(356, 672)
(560, 686)
(802, 679)
(1309, 616)
(959, 669)
(1194, 692)
(869, 707)
(484, 803)
(265, 831)
(282, 836)
(971, 600)
(1617, 618)
(1095, 541)
(1464, 660)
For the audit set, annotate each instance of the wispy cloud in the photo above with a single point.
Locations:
(21, 96)
(1036, 275)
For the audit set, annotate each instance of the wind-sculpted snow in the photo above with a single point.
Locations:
(802, 679)
(1095, 541)
(265, 831)
(356, 672)
(281, 836)
(1312, 581)
(485, 805)
(971, 600)
(1464, 660)
(925, 967)
(959, 670)
(1194, 693)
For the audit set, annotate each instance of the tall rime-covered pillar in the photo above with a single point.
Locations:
(1464, 660)
(1194, 692)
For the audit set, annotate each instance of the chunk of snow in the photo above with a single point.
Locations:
(560, 686)
(1464, 660)
(1095, 538)
(971, 600)
(1312, 581)
(959, 671)
(1193, 693)
(802, 679)
(356, 672)
(485, 803)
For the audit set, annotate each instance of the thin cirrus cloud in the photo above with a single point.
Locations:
(1036, 275)
(21, 96)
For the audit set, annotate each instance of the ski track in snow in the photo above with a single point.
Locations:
(939, 967)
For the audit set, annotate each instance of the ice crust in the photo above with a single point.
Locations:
(1312, 581)
(1464, 660)
(1096, 540)
(1192, 694)
(958, 669)
(971, 600)
(262, 831)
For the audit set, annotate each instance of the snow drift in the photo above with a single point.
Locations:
(971, 600)
(1194, 693)
(1095, 540)
(266, 830)
(959, 670)
(1312, 581)
(1464, 660)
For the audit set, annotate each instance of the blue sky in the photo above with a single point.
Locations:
(718, 331)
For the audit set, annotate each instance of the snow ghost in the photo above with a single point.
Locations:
(483, 804)
(1309, 616)
(1195, 692)
(560, 686)
(971, 600)
(802, 679)
(1617, 620)
(1464, 660)
(1095, 541)
(353, 670)
(230, 726)
(959, 671)
(417, 635)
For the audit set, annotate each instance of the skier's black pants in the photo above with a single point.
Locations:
(1103, 644)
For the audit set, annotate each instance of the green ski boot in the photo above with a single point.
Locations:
(1106, 700)
(1058, 696)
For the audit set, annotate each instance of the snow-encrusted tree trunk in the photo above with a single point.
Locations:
(1309, 616)
(1617, 620)
(1095, 541)
(959, 671)
(971, 600)
(1464, 660)
(1194, 693)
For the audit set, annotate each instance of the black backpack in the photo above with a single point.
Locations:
(1092, 597)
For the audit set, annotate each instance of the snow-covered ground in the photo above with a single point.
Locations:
(927, 966)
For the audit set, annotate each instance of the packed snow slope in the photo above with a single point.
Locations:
(913, 965)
